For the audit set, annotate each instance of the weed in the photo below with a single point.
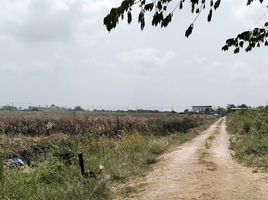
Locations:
(158, 146)
(2, 177)
(204, 159)
(51, 172)
(249, 136)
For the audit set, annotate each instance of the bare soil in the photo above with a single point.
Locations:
(202, 169)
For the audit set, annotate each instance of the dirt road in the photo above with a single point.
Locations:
(202, 169)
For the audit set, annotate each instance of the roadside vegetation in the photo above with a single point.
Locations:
(115, 148)
(249, 129)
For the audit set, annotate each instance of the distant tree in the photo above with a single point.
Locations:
(220, 111)
(230, 107)
(243, 106)
(208, 111)
(162, 16)
(9, 108)
(34, 109)
(173, 112)
(260, 108)
(78, 108)
(186, 111)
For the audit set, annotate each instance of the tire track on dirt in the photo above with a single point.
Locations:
(235, 181)
(202, 169)
(171, 175)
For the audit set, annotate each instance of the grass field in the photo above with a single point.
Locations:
(115, 148)
(249, 139)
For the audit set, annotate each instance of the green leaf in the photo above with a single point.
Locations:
(225, 47)
(189, 30)
(129, 17)
(236, 50)
(210, 15)
(166, 20)
(159, 5)
(241, 44)
(181, 5)
(217, 4)
(149, 7)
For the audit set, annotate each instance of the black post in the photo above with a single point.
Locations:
(81, 163)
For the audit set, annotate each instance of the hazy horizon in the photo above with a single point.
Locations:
(58, 52)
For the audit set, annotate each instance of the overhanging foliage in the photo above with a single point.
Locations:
(162, 16)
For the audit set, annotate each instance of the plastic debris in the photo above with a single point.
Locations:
(15, 162)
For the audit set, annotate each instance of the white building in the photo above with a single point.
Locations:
(201, 109)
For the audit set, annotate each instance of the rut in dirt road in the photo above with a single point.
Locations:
(203, 169)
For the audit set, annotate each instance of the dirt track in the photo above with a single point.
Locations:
(202, 169)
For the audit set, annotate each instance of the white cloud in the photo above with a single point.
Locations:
(43, 21)
(58, 51)
(146, 57)
(249, 16)
(52, 20)
(94, 7)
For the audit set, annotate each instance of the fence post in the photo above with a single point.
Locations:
(81, 163)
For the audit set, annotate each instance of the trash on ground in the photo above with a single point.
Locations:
(15, 162)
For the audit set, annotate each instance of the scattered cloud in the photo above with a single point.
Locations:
(249, 16)
(146, 57)
(50, 20)
(58, 51)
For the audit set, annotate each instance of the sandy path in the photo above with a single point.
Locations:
(202, 169)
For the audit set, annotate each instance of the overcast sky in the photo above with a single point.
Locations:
(58, 51)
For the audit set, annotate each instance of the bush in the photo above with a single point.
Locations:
(65, 151)
(158, 146)
(250, 136)
(51, 171)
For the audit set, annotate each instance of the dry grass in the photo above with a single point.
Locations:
(12, 146)
(204, 159)
(125, 146)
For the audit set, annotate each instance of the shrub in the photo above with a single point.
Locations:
(158, 146)
(250, 136)
(51, 171)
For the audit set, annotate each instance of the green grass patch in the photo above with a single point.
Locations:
(249, 139)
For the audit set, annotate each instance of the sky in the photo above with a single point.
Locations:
(59, 52)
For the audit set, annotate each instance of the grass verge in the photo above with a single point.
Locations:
(249, 137)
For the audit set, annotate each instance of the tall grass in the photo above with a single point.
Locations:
(51, 178)
(2, 178)
(53, 171)
(250, 136)
(108, 126)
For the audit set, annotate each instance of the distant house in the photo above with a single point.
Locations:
(201, 109)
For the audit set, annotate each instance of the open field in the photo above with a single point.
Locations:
(115, 148)
(99, 124)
